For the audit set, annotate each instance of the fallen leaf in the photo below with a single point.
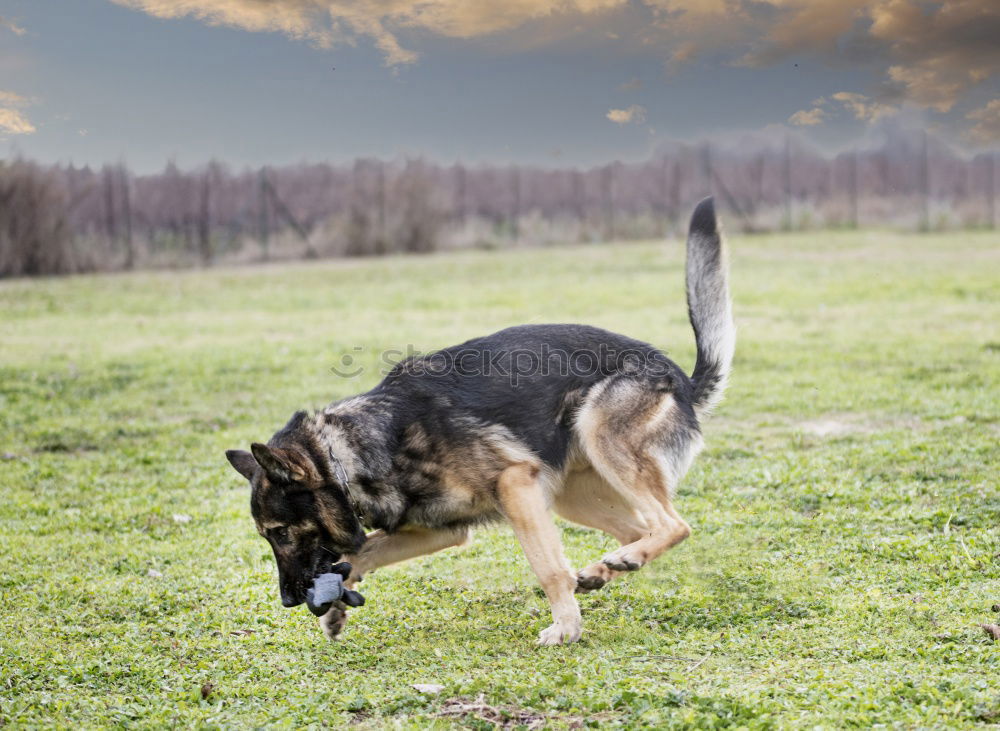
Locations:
(206, 690)
(993, 630)
(432, 688)
(242, 632)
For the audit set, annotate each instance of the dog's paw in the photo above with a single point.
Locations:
(332, 623)
(623, 561)
(560, 633)
(594, 577)
(586, 584)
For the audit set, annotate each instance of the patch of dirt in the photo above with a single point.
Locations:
(834, 425)
(503, 716)
(833, 428)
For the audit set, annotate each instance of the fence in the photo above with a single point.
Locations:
(113, 219)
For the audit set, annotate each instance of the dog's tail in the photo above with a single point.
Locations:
(709, 307)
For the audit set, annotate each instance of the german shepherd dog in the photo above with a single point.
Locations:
(592, 425)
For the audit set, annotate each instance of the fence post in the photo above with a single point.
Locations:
(125, 183)
(991, 196)
(460, 182)
(204, 229)
(262, 223)
(110, 224)
(381, 240)
(515, 213)
(706, 167)
(925, 215)
(852, 182)
(787, 174)
(608, 180)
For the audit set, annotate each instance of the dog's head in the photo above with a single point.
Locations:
(300, 505)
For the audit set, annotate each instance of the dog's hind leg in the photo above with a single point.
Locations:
(588, 499)
(522, 498)
(647, 489)
(638, 441)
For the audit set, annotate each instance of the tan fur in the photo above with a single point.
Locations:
(625, 432)
(382, 549)
(523, 497)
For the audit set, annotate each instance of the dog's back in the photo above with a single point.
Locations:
(532, 379)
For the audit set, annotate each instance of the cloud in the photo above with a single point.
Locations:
(14, 122)
(939, 50)
(807, 118)
(863, 107)
(328, 22)
(11, 26)
(634, 114)
(986, 129)
(929, 52)
(10, 99)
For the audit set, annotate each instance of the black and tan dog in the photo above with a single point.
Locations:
(595, 426)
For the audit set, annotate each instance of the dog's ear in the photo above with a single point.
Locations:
(242, 461)
(276, 463)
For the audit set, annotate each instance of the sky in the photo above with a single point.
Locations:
(542, 82)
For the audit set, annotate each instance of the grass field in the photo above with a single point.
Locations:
(846, 511)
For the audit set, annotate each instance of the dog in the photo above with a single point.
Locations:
(594, 426)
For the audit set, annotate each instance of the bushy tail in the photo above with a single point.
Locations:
(709, 307)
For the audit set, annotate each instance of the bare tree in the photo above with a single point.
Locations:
(34, 235)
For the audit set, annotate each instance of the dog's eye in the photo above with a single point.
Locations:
(280, 535)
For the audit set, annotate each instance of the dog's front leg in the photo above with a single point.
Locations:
(332, 623)
(522, 498)
(381, 549)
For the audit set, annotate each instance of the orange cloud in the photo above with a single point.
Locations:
(986, 129)
(807, 117)
(12, 120)
(12, 26)
(634, 114)
(929, 52)
(862, 107)
(326, 22)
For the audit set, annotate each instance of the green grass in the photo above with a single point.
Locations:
(846, 511)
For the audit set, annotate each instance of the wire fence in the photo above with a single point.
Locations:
(65, 218)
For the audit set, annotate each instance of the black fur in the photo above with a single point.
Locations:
(538, 408)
